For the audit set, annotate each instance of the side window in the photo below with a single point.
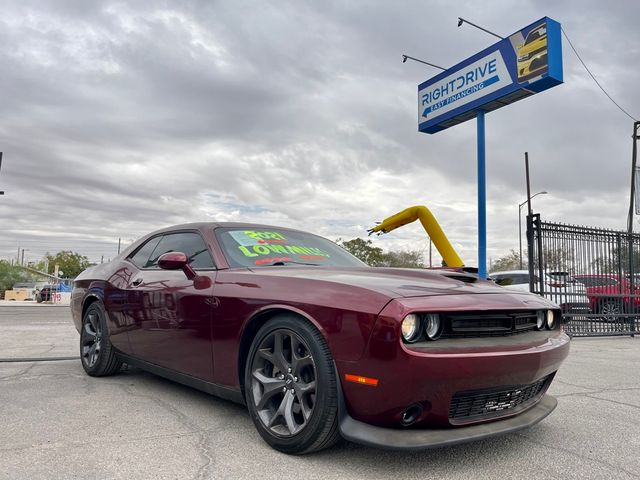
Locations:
(139, 259)
(191, 244)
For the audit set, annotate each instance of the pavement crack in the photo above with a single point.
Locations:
(204, 445)
(636, 407)
(594, 392)
(204, 441)
(19, 374)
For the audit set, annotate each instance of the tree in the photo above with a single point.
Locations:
(376, 257)
(71, 263)
(510, 261)
(558, 258)
(403, 259)
(364, 250)
(10, 275)
(617, 259)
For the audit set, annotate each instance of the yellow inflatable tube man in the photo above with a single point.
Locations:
(431, 226)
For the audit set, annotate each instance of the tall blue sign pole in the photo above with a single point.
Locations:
(525, 63)
(482, 199)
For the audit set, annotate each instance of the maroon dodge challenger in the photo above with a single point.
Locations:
(319, 345)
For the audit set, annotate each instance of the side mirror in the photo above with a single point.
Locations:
(176, 261)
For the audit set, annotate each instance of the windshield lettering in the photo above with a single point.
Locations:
(268, 249)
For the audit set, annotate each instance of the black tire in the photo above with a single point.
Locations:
(611, 309)
(292, 399)
(97, 355)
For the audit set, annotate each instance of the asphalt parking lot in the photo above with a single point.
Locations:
(59, 423)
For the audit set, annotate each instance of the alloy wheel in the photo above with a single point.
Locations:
(283, 382)
(610, 311)
(91, 339)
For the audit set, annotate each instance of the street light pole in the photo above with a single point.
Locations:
(520, 221)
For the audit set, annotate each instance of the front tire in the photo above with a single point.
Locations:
(611, 309)
(290, 386)
(96, 352)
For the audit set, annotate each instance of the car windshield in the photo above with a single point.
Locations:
(535, 35)
(264, 247)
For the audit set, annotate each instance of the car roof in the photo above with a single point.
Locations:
(202, 225)
(596, 275)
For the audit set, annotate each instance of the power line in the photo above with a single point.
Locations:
(594, 78)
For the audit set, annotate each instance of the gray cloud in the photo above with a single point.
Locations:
(119, 118)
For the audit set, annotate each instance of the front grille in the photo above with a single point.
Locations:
(485, 404)
(480, 324)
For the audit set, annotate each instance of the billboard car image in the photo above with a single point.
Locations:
(532, 54)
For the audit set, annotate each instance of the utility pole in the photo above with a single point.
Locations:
(634, 174)
(22, 261)
(119, 239)
(634, 178)
(1, 192)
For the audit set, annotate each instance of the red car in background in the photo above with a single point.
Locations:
(610, 295)
(319, 345)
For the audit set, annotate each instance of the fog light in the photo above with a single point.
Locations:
(411, 328)
(433, 329)
(551, 320)
(540, 320)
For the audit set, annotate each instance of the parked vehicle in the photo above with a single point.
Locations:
(318, 344)
(611, 295)
(46, 293)
(559, 287)
(23, 291)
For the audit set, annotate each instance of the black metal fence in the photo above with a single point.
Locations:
(592, 273)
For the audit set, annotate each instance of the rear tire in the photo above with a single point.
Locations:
(97, 355)
(290, 386)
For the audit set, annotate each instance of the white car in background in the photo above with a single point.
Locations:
(559, 287)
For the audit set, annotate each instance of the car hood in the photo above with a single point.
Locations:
(393, 282)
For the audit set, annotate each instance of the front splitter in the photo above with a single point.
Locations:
(398, 439)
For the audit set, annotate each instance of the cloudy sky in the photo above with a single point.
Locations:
(119, 118)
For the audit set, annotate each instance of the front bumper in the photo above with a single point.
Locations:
(431, 375)
(396, 439)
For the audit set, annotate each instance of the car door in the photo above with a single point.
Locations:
(171, 316)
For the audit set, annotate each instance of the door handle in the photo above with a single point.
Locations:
(136, 282)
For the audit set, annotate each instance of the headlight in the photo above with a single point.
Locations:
(411, 328)
(523, 58)
(551, 320)
(433, 327)
(540, 320)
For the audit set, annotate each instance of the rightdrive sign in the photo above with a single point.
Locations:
(525, 63)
